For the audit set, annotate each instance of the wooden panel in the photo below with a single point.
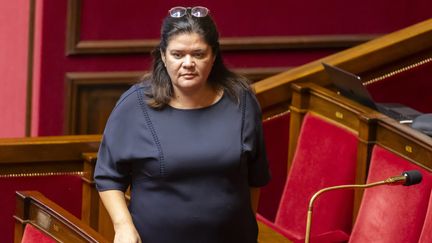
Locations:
(90, 197)
(30, 57)
(76, 46)
(405, 142)
(93, 211)
(90, 98)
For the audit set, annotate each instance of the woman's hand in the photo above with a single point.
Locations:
(126, 234)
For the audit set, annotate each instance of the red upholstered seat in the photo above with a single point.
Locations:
(33, 235)
(325, 156)
(391, 213)
(276, 136)
(66, 190)
(426, 234)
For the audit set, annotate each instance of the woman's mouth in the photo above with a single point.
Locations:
(188, 75)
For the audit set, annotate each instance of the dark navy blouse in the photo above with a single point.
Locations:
(189, 170)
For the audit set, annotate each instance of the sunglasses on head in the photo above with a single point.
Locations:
(198, 11)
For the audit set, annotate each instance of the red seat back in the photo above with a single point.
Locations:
(326, 155)
(426, 234)
(391, 213)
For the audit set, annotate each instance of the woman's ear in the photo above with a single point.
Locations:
(163, 57)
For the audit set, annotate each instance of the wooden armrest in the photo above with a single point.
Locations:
(34, 208)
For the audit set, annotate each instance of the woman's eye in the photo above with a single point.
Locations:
(176, 55)
(199, 55)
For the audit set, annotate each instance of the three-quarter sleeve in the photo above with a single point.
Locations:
(109, 174)
(258, 169)
(123, 138)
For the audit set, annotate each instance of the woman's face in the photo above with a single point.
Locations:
(188, 60)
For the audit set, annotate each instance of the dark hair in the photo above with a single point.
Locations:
(220, 76)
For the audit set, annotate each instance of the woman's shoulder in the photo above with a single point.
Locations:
(128, 109)
(131, 96)
(250, 97)
(251, 104)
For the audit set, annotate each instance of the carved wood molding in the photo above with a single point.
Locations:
(30, 66)
(88, 95)
(308, 42)
(257, 74)
(76, 46)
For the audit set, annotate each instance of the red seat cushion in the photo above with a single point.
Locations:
(33, 235)
(326, 155)
(391, 213)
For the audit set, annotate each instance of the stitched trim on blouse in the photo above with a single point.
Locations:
(152, 130)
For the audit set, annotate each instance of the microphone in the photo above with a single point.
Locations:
(407, 178)
(412, 177)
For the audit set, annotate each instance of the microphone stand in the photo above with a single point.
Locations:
(391, 180)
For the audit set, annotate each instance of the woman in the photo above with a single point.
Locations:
(188, 141)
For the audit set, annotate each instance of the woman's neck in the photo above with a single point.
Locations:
(195, 99)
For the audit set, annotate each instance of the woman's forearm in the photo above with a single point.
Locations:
(115, 203)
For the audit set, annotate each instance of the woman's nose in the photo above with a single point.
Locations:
(188, 61)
